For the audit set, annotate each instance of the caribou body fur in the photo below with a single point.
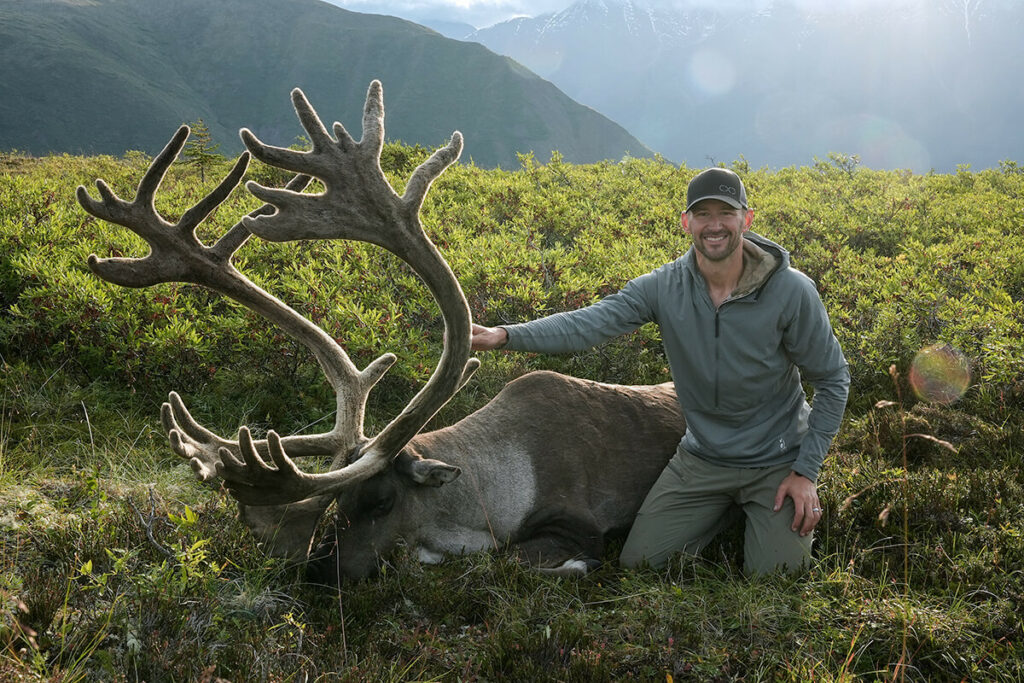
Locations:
(551, 468)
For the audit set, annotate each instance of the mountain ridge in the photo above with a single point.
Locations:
(905, 85)
(106, 76)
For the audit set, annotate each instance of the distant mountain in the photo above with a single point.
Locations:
(902, 84)
(104, 76)
(449, 29)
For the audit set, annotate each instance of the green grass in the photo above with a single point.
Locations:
(115, 564)
(159, 582)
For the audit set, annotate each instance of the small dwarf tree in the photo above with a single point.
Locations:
(200, 150)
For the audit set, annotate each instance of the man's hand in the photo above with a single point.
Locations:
(805, 499)
(487, 338)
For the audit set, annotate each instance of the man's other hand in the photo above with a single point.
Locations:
(805, 499)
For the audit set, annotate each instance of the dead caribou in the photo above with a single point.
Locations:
(550, 467)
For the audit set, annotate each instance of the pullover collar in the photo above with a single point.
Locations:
(758, 265)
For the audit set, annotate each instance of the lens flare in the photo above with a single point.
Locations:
(712, 72)
(880, 142)
(939, 374)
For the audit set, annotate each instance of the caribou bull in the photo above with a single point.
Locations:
(550, 467)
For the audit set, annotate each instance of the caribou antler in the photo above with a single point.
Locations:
(177, 255)
(357, 204)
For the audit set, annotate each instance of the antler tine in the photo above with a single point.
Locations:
(132, 272)
(191, 219)
(312, 162)
(109, 206)
(311, 122)
(427, 172)
(373, 120)
(150, 182)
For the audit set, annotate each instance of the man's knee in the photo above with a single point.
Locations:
(650, 550)
(635, 554)
(630, 559)
(779, 556)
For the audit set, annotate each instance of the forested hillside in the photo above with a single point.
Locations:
(110, 76)
(117, 564)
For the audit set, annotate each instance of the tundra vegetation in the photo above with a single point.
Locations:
(117, 565)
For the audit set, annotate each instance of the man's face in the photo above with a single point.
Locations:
(717, 228)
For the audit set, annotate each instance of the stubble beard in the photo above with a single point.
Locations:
(721, 251)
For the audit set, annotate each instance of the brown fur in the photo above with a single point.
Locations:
(593, 449)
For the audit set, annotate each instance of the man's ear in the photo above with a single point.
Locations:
(684, 220)
(748, 218)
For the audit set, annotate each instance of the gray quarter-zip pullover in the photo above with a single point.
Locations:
(738, 368)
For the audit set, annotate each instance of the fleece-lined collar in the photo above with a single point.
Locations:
(758, 264)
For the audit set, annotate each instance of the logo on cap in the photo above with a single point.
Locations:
(727, 188)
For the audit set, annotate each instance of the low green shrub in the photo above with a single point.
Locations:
(117, 565)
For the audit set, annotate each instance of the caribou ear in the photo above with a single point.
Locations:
(433, 472)
(425, 471)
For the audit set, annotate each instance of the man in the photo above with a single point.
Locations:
(741, 330)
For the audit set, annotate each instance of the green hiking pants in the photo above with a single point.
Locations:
(691, 502)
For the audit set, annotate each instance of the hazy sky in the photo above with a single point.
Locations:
(481, 13)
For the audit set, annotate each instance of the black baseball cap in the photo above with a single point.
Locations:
(717, 183)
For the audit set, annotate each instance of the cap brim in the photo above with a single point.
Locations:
(731, 201)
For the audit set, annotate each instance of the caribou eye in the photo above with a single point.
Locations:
(382, 506)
